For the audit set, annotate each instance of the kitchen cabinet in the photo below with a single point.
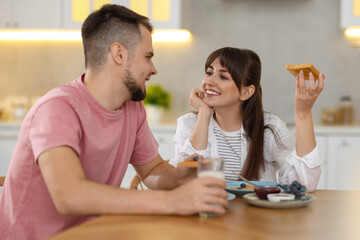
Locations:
(163, 14)
(344, 163)
(164, 135)
(8, 138)
(339, 147)
(350, 13)
(34, 14)
(9, 133)
(70, 14)
(340, 150)
(323, 147)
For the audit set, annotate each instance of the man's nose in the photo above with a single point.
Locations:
(153, 70)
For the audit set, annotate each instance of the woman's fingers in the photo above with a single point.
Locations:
(320, 86)
(312, 89)
(312, 84)
(302, 85)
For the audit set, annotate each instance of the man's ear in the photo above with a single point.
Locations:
(247, 92)
(118, 53)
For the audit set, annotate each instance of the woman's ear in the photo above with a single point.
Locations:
(247, 92)
(118, 53)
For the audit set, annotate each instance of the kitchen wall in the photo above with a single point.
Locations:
(280, 31)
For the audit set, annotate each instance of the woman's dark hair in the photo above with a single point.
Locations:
(244, 66)
(111, 23)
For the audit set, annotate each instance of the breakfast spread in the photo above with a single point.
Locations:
(262, 192)
(280, 197)
(294, 188)
(294, 69)
(244, 186)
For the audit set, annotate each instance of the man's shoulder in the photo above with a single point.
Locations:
(134, 107)
(68, 89)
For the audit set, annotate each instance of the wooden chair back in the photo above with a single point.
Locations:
(136, 183)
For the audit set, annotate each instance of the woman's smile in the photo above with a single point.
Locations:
(211, 93)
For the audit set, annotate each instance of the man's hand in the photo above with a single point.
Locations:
(185, 174)
(205, 194)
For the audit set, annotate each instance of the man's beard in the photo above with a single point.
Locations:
(137, 94)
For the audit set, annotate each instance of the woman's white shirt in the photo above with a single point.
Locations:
(281, 164)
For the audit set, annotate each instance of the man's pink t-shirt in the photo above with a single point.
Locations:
(106, 141)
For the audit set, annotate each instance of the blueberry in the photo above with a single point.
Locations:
(294, 189)
(243, 185)
(296, 184)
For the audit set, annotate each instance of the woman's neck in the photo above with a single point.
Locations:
(228, 120)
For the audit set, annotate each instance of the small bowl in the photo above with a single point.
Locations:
(263, 192)
(280, 197)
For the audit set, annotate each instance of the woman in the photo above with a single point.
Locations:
(230, 123)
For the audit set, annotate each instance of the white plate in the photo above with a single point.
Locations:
(231, 196)
(252, 199)
(240, 192)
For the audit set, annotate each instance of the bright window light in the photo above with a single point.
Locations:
(353, 32)
(40, 35)
(171, 35)
(179, 35)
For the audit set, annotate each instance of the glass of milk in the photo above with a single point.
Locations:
(211, 167)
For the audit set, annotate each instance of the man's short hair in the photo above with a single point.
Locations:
(111, 23)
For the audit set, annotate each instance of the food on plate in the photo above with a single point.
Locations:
(294, 188)
(280, 197)
(262, 192)
(244, 186)
(190, 163)
(294, 69)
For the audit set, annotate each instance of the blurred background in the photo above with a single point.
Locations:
(281, 31)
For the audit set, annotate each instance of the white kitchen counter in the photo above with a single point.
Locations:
(339, 146)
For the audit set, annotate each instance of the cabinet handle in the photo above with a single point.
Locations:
(344, 144)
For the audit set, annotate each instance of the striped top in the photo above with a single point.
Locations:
(229, 148)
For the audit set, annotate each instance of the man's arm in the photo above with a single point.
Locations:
(73, 194)
(159, 174)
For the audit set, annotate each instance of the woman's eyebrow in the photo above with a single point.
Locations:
(224, 70)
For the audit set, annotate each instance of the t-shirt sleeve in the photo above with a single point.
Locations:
(54, 124)
(146, 146)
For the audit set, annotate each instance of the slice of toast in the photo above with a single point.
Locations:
(191, 163)
(306, 67)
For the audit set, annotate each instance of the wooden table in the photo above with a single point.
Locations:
(332, 215)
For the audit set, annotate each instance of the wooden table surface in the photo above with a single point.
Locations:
(332, 215)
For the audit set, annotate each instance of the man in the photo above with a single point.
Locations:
(76, 142)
